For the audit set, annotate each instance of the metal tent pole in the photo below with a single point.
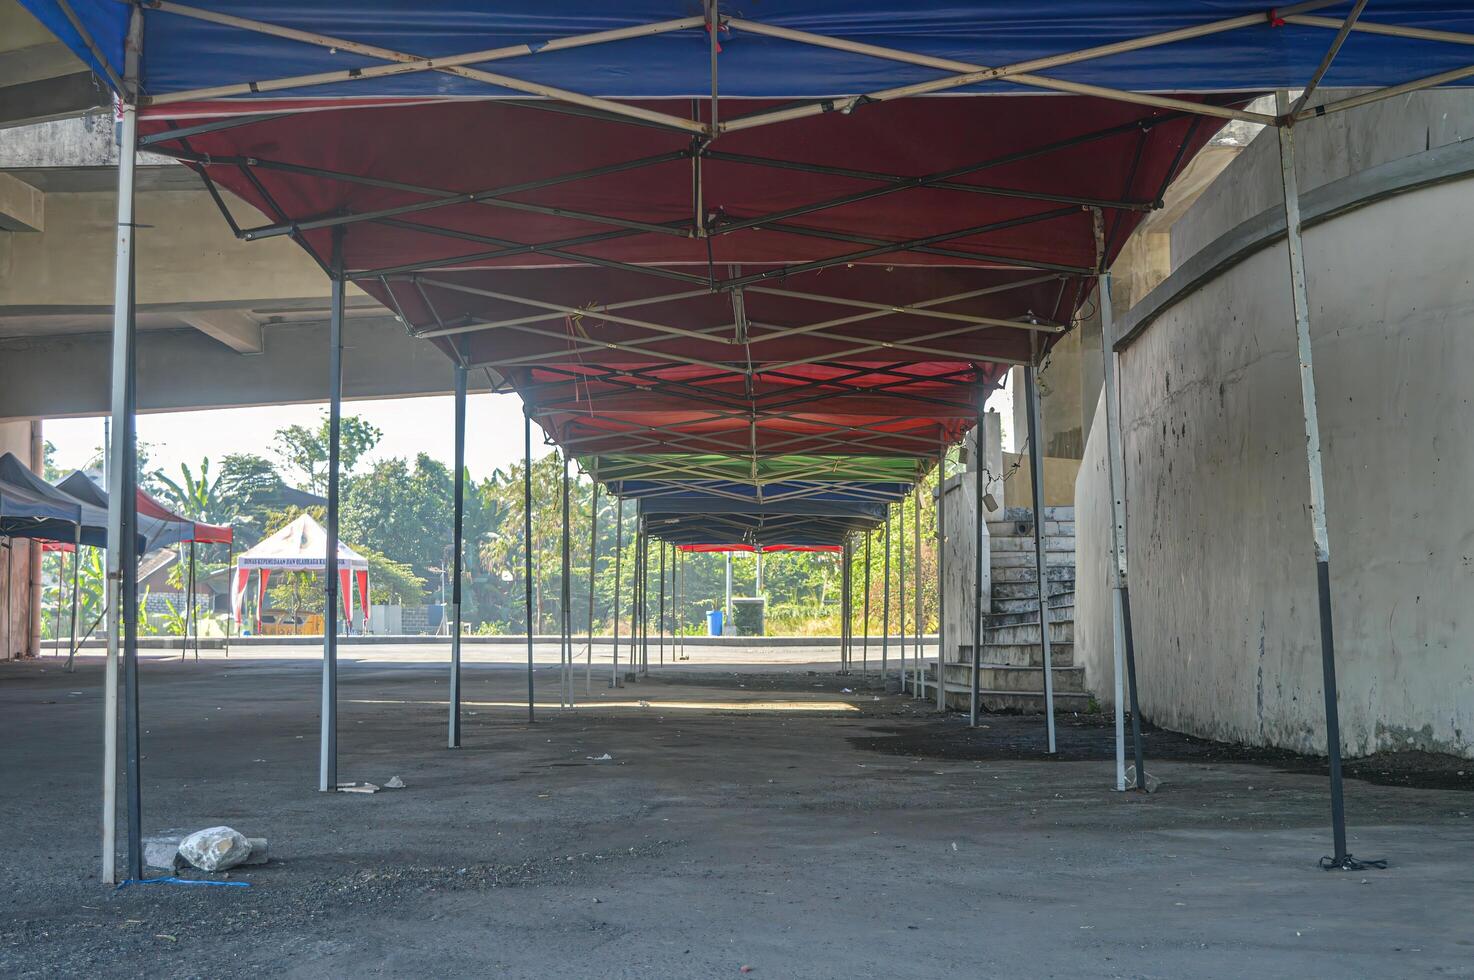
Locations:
(61, 571)
(636, 627)
(974, 693)
(659, 622)
(901, 585)
(230, 583)
(192, 619)
(588, 669)
(527, 549)
(1041, 566)
(1121, 604)
(121, 503)
(885, 602)
(865, 612)
(128, 463)
(644, 599)
(727, 609)
(941, 578)
(327, 769)
(566, 600)
(618, 556)
(1342, 858)
(846, 579)
(76, 590)
(917, 619)
(457, 545)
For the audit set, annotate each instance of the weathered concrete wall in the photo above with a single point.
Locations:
(1093, 600)
(183, 369)
(1326, 149)
(19, 563)
(1059, 480)
(1222, 568)
(960, 499)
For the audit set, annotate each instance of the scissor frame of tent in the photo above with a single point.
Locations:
(775, 480)
(158, 527)
(1193, 54)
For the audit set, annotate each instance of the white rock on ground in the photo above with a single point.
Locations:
(215, 848)
(162, 852)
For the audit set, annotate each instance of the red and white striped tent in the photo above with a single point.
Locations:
(301, 546)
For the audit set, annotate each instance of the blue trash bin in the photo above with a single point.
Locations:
(713, 622)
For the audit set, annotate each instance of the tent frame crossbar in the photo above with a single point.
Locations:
(958, 74)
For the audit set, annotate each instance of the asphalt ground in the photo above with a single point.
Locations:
(767, 815)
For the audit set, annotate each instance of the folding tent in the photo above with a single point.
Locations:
(301, 546)
(777, 219)
(32, 508)
(159, 527)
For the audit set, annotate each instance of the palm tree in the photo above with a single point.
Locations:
(195, 498)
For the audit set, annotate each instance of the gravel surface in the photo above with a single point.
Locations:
(760, 818)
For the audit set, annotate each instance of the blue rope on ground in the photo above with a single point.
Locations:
(181, 881)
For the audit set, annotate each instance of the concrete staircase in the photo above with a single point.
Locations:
(1011, 674)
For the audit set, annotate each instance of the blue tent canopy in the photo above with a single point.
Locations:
(701, 503)
(847, 492)
(698, 518)
(185, 51)
(753, 529)
(32, 508)
(155, 533)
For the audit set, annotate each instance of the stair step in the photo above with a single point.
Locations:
(1020, 655)
(1058, 593)
(1057, 513)
(1061, 630)
(1025, 559)
(1024, 656)
(1008, 677)
(1025, 529)
(1025, 543)
(958, 695)
(1057, 574)
(1019, 612)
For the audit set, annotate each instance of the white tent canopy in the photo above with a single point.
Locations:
(301, 546)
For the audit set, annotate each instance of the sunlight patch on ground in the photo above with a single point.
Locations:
(643, 705)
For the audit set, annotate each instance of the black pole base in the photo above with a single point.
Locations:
(1348, 863)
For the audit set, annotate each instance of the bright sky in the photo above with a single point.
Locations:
(410, 426)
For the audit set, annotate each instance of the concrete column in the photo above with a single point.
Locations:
(20, 614)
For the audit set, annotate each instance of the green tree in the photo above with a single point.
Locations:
(194, 497)
(402, 510)
(249, 491)
(304, 449)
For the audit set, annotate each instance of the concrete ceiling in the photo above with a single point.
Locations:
(40, 78)
(221, 322)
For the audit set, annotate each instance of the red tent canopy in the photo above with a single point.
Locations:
(202, 533)
(840, 284)
(765, 549)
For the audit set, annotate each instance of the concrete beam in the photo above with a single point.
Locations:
(186, 255)
(1444, 164)
(49, 59)
(22, 207)
(184, 369)
(232, 328)
(51, 98)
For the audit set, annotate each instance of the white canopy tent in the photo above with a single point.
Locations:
(301, 546)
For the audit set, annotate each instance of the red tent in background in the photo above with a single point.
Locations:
(764, 549)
